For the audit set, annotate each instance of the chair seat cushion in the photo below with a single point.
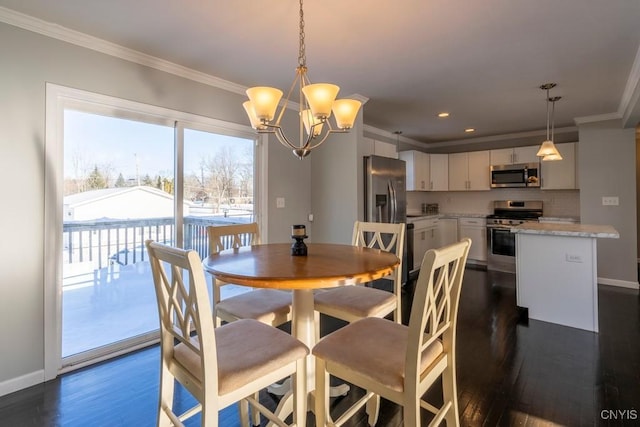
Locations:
(375, 348)
(263, 305)
(246, 350)
(355, 302)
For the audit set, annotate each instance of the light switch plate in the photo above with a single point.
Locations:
(610, 201)
(279, 202)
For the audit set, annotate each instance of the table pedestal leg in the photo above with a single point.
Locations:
(303, 328)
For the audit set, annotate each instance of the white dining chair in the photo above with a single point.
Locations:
(269, 306)
(398, 362)
(350, 303)
(218, 366)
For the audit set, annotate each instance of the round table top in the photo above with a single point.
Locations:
(325, 266)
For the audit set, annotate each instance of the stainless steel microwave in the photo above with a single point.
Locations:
(517, 175)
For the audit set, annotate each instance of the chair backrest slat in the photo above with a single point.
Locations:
(233, 236)
(435, 304)
(183, 305)
(387, 237)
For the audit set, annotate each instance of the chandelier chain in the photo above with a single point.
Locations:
(302, 57)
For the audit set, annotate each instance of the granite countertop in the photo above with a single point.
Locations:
(414, 217)
(571, 230)
(569, 219)
(463, 215)
(411, 218)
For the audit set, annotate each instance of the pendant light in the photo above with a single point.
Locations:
(548, 150)
(316, 104)
(556, 155)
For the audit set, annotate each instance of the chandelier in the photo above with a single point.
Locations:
(548, 150)
(316, 103)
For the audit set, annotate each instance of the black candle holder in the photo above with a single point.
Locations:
(299, 233)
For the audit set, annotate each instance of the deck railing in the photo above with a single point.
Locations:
(105, 242)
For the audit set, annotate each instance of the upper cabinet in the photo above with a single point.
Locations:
(438, 172)
(508, 156)
(561, 174)
(379, 148)
(418, 169)
(469, 171)
(426, 172)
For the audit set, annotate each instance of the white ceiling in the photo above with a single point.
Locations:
(482, 61)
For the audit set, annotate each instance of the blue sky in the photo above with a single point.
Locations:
(120, 143)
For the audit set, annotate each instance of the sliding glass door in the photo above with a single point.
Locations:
(129, 173)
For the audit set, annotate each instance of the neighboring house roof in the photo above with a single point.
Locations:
(79, 199)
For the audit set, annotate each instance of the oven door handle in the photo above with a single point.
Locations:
(499, 227)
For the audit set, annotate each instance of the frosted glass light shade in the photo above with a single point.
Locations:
(547, 148)
(309, 120)
(265, 101)
(345, 112)
(552, 157)
(255, 121)
(320, 97)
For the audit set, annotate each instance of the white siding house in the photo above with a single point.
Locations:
(120, 203)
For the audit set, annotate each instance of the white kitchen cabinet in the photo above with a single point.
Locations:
(448, 228)
(561, 174)
(418, 170)
(426, 235)
(439, 172)
(508, 156)
(385, 149)
(469, 171)
(476, 230)
(373, 147)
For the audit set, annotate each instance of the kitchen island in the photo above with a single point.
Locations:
(556, 272)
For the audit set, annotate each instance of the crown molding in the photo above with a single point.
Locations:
(597, 118)
(628, 108)
(375, 131)
(503, 137)
(77, 38)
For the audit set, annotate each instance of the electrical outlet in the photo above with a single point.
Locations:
(279, 202)
(310, 217)
(610, 201)
(573, 258)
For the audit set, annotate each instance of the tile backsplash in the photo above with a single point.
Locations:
(556, 203)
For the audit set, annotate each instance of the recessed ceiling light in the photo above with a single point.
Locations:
(469, 130)
(443, 115)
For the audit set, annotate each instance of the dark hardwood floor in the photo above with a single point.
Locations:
(510, 373)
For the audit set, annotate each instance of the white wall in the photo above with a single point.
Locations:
(337, 187)
(29, 61)
(607, 162)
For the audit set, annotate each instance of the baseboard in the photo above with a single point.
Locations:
(619, 283)
(19, 383)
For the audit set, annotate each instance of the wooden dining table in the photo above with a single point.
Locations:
(325, 266)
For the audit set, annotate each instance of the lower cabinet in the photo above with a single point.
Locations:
(426, 235)
(476, 230)
(448, 231)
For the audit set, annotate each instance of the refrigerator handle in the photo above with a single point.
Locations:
(394, 202)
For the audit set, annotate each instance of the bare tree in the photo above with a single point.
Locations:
(222, 169)
(245, 175)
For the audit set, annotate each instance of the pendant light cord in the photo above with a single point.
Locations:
(553, 115)
(548, 115)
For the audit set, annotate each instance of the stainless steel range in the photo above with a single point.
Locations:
(501, 243)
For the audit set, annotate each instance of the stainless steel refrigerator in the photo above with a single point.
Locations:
(386, 199)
